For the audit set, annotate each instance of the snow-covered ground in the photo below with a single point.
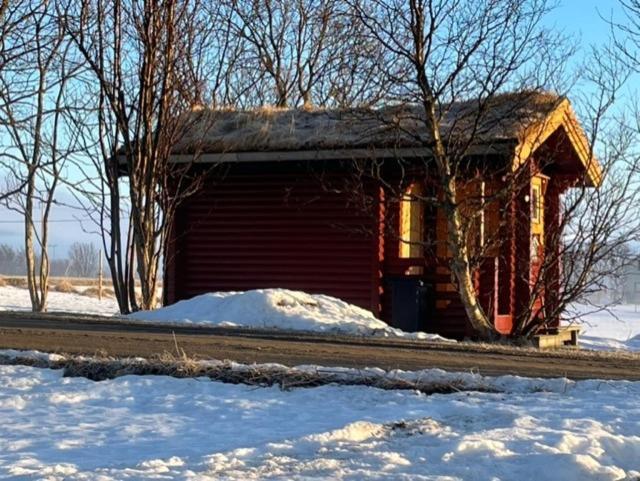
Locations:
(144, 427)
(614, 328)
(17, 299)
(156, 427)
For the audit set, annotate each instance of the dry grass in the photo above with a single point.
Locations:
(20, 282)
(64, 286)
(101, 367)
(272, 129)
(3, 282)
(94, 292)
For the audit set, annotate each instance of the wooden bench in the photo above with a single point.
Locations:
(559, 337)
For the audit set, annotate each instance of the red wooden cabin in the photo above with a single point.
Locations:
(278, 207)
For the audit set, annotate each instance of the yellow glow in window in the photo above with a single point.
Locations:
(411, 223)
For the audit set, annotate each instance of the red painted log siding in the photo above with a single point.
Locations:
(263, 226)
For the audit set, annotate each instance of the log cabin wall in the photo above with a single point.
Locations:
(259, 225)
(266, 225)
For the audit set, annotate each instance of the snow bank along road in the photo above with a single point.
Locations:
(87, 335)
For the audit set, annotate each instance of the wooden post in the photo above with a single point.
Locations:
(100, 275)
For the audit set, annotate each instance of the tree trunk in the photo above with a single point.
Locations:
(456, 237)
(33, 284)
(460, 265)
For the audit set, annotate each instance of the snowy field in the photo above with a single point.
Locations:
(146, 427)
(617, 328)
(17, 299)
(156, 427)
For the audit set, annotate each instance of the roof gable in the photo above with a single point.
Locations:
(561, 117)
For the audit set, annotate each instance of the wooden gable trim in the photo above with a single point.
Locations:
(561, 117)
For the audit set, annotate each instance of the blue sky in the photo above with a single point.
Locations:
(582, 18)
(579, 19)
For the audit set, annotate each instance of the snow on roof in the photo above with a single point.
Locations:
(501, 118)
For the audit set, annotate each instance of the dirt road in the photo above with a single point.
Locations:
(68, 333)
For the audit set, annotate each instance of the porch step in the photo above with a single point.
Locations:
(555, 338)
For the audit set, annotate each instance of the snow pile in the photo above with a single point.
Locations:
(21, 356)
(611, 329)
(278, 309)
(155, 427)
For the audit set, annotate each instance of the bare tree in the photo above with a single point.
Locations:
(600, 225)
(11, 260)
(285, 40)
(216, 69)
(35, 101)
(455, 61)
(590, 247)
(439, 54)
(627, 31)
(144, 60)
(83, 259)
(306, 53)
(12, 21)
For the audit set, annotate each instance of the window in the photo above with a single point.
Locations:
(536, 203)
(411, 223)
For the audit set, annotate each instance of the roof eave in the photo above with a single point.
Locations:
(496, 148)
